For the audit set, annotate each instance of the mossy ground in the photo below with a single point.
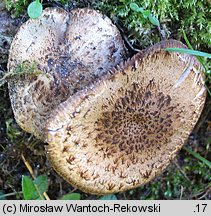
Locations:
(186, 177)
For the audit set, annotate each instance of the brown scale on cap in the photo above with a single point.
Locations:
(70, 50)
(124, 130)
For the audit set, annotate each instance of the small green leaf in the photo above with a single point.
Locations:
(42, 183)
(134, 7)
(153, 20)
(146, 13)
(141, 10)
(30, 191)
(28, 188)
(189, 51)
(34, 9)
(108, 197)
(71, 196)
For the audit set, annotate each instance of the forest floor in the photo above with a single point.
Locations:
(185, 178)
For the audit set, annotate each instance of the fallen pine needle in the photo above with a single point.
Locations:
(28, 166)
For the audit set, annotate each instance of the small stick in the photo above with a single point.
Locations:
(180, 169)
(127, 41)
(34, 177)
(73, 190)
(130, 45)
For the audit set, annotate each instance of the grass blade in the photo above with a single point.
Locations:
(198, 156)
(3, 196)
(186, 40)
(189, 51)
(200, 59)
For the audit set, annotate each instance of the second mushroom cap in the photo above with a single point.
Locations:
(69, 50)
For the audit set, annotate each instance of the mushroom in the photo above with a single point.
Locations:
(123, 130)
(68, 50)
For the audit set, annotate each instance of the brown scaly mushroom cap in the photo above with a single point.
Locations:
(70, 50)
(125, 129)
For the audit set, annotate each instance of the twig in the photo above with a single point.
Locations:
(180, 169)
(162, 33)
(3, 80)
(181, 193)
(34, 177)
(10, 194)
(127, 41)
(124, 195)
(205, 194)
(73, 190)
(202, 194)
(2, 147)
(130, 45)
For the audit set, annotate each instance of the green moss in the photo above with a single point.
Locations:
(194, 16)
(191, 179)
(25, 68)
(17, 7)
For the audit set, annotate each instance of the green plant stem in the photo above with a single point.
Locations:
(3, 80)
(186, 40)
(2, 147)
(42, 196)
(10, 194)
(198, 156)
(189, 51)
(200, 59)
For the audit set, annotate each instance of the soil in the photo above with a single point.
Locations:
(14, 142)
